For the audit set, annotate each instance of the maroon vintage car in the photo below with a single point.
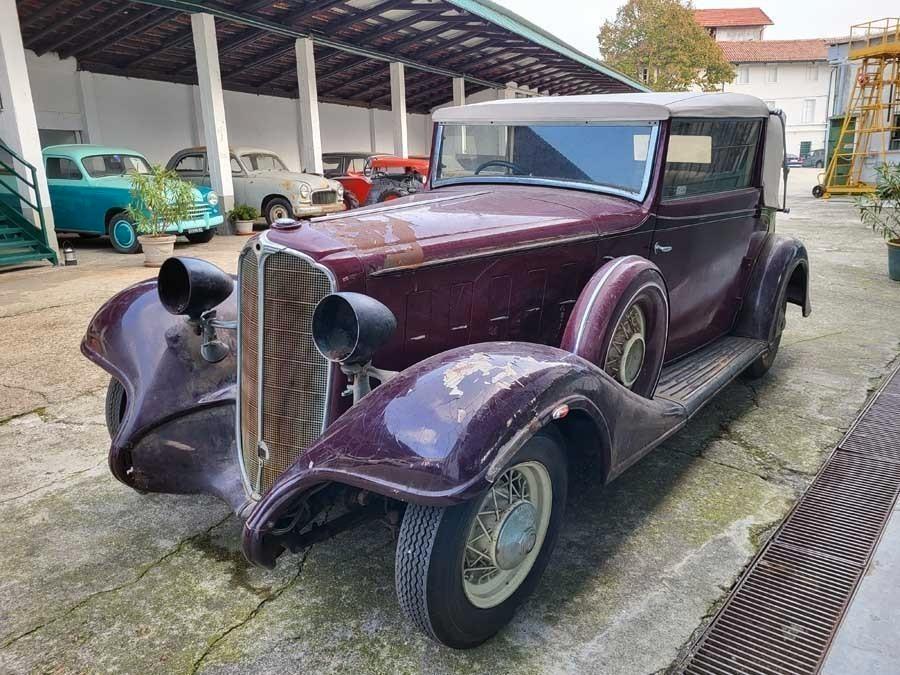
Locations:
(581, 277)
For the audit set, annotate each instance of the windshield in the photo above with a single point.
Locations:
(263, 161)
(99, 166)
(606, 157)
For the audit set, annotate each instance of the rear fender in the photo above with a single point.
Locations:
(781, 272)
(440, 432)
(177, 434)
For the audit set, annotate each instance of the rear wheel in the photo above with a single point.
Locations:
(391, 194)
(116, 402)
(201, 237)
(122, 233)
(819, 164)
(818, 191)
(278, 208)
(463, 570)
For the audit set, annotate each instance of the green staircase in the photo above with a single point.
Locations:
(20, 241)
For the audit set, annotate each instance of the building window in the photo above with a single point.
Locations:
(809, 111)
(743, 75)
(645, 75)
(812, 72)
(772, 74)
(707, 156)
(895, 134)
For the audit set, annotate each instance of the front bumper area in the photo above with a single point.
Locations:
(313, 210)
(197, 225)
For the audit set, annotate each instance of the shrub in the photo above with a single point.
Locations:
(243, 212)
(158, 199)
(881, 209)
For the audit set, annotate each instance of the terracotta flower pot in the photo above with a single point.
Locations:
(157, 249)
(243, 227)
(894, 259)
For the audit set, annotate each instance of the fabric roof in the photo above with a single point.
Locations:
(723, 18)
(768, 51)
(602, 108)
(355, 40)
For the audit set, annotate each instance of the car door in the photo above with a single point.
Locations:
(69, 195)
(708, 225)
(239, 182)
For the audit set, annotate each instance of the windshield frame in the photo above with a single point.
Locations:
(111, 154)
(248, 165)
(638, 196)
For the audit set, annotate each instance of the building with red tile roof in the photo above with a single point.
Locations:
(769, 51)
(745, 23)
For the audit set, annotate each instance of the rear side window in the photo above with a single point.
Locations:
(191, 163)
(706, 156)
(62, 168)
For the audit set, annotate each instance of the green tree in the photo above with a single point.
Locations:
(659, 43)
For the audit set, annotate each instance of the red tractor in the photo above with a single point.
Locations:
(384, 178)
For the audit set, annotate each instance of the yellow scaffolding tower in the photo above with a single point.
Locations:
(873, 109)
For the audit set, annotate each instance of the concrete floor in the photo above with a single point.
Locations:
(97, 578)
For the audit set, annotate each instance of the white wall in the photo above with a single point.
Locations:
(792, 89)
(158, 118)
(739, 33)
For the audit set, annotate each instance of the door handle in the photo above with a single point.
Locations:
(660, 248)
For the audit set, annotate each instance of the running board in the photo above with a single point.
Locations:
(695, 379)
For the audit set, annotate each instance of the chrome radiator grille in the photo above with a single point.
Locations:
(324, 197)
(294, 376)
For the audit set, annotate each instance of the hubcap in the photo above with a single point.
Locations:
(507, 534)
(628, 347)
(123, 233)
(278, 213)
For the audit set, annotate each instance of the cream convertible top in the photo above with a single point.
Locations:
(605, 108)
(633, 108)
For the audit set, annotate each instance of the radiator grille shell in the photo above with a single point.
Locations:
(284, 385)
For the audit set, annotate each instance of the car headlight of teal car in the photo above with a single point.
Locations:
(212, 198)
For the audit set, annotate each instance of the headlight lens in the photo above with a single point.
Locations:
(304, 191)
(340, 191)
(212, 198)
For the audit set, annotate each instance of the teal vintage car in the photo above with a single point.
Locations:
(90, 192)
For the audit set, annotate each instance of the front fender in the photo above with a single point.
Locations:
(781, 272)
(440, 432)
(177, 434)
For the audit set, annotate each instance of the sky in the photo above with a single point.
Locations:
(578, 21)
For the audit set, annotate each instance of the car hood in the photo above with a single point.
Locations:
(463, 220)
(315, 182)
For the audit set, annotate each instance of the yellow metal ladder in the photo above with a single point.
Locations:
(873, 109)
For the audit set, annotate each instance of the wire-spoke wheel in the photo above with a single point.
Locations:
(463, 570)
(507, 534)
(628, 347)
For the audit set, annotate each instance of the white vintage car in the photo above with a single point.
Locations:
(261, 179)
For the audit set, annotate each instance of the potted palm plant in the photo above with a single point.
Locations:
(243, 216)
(881, 211)
(159, 198)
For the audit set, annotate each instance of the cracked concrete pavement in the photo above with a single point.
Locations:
(97, 578)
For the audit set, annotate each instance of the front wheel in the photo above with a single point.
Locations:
(122, 234)
(203, 237)
(818, 191)
(278, 208)
(116, 401)
(463, 570)
(764, 362)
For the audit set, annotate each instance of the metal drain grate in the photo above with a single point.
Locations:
(782, 615)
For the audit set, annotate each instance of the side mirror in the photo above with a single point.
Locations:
(190, 286)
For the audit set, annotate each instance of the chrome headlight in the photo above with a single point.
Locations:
(304, 191)
(212, 198)
(340, 191)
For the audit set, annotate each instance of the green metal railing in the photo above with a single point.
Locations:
(29, 181)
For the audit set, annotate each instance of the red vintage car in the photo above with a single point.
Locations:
(582, 275)
(384, 178)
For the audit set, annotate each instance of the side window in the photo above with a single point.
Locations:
(62, 168)
(236, 168)
(706, 156)
(192, 163)
(358, 164)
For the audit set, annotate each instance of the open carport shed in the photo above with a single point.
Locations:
(406, 56)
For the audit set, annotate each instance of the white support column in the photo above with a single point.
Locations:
(212, 104)
(373, 135)
(459, 91)
(18, 123)
(310, 132)
(197, 133)
(90, 114)
(398, 109)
